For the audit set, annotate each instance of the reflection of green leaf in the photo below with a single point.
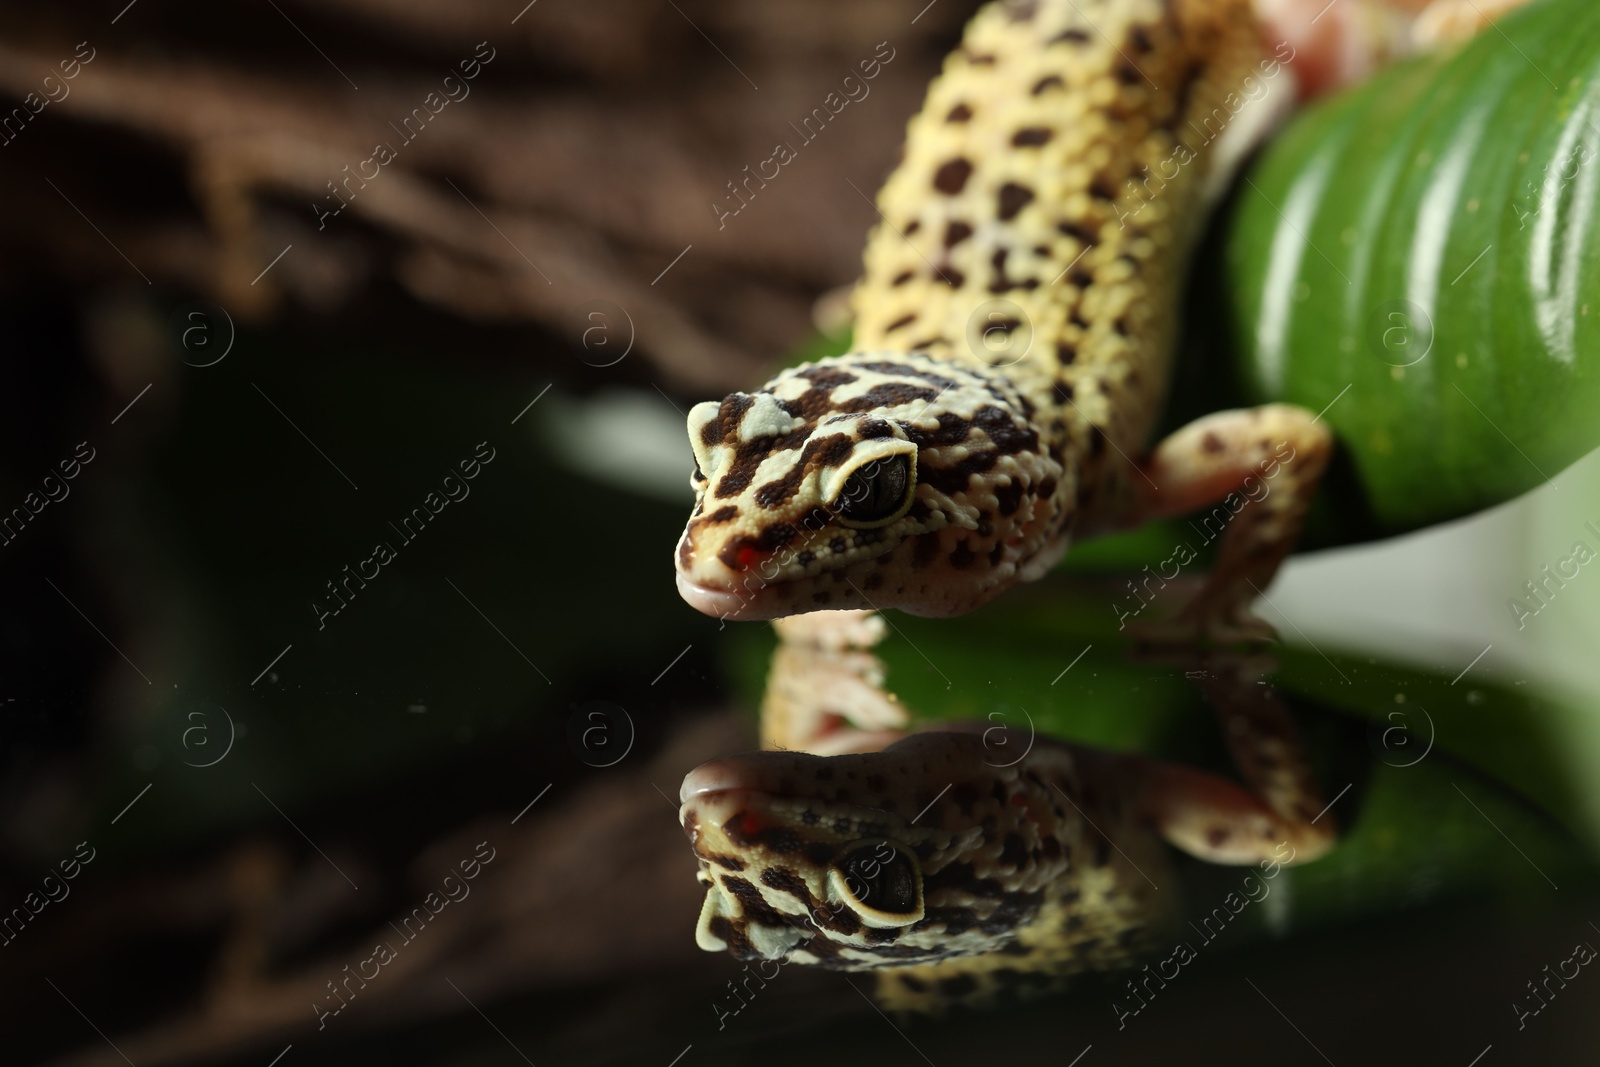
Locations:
(1409, 832)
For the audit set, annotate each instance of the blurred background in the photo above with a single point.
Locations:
(287, 282)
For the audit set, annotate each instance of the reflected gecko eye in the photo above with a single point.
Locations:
(876, 493)
(882, 882)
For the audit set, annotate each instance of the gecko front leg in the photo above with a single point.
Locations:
(825, 692)
(1256, 469)
(1279, 815)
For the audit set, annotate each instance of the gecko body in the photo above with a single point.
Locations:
(1014, 334)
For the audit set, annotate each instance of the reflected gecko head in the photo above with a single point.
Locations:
(915, 854)
(868, 481)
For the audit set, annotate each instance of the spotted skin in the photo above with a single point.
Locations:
(987, 488)
(1012, 877)
(1013, 329)
(1035, 859)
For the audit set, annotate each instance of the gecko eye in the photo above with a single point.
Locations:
(876, 493)
(881, 882)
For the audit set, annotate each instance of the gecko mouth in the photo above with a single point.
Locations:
(718, 603)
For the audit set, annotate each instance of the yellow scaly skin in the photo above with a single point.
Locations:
(1014, 336)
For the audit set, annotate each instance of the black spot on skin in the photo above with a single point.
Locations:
(1050, 848)
(1102, 851)
(961, 556)
(965, 794)
(1007, 437)
(1022, 10)
(779, 839)
(926, 549)
(1008, 498)
(1128, 74)
(1013, 852)
(882, 937)
(1097, 442)
(755, 905)
(911, 227)
(872, 581)
(907, 370)
(829, 451)
(809, 817)
(904, 320)
(955, 280)
(903, 277)
(818, 852)
(1210, 444)
(891, 394)
(1216, 835)
(980, 59)
(913, 983)
(727, 418)
(1062, 392)
(1139, 40)
(955, 232)
(776, 536)
(1078, 231)
(1072, 36)
(1047, 489)
(1013, 198)
(806, 558)
(952, 177)
(1001, 283)
(1031, 136)
(959, 113)
(1100, 190)
(727, 863)
(821, 596)
(723, 514)
(826, 377)
(1066, 354)
(837, 545)
(953, 429)
(734, 938)
(786, 881)
(1045, 84)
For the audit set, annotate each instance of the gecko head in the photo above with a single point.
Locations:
(869, 481)
(915, 854)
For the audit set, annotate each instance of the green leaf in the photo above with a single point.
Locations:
(1423, 255)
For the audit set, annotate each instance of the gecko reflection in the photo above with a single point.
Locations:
(950, 873)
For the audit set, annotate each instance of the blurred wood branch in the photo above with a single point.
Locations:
(585, 155)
